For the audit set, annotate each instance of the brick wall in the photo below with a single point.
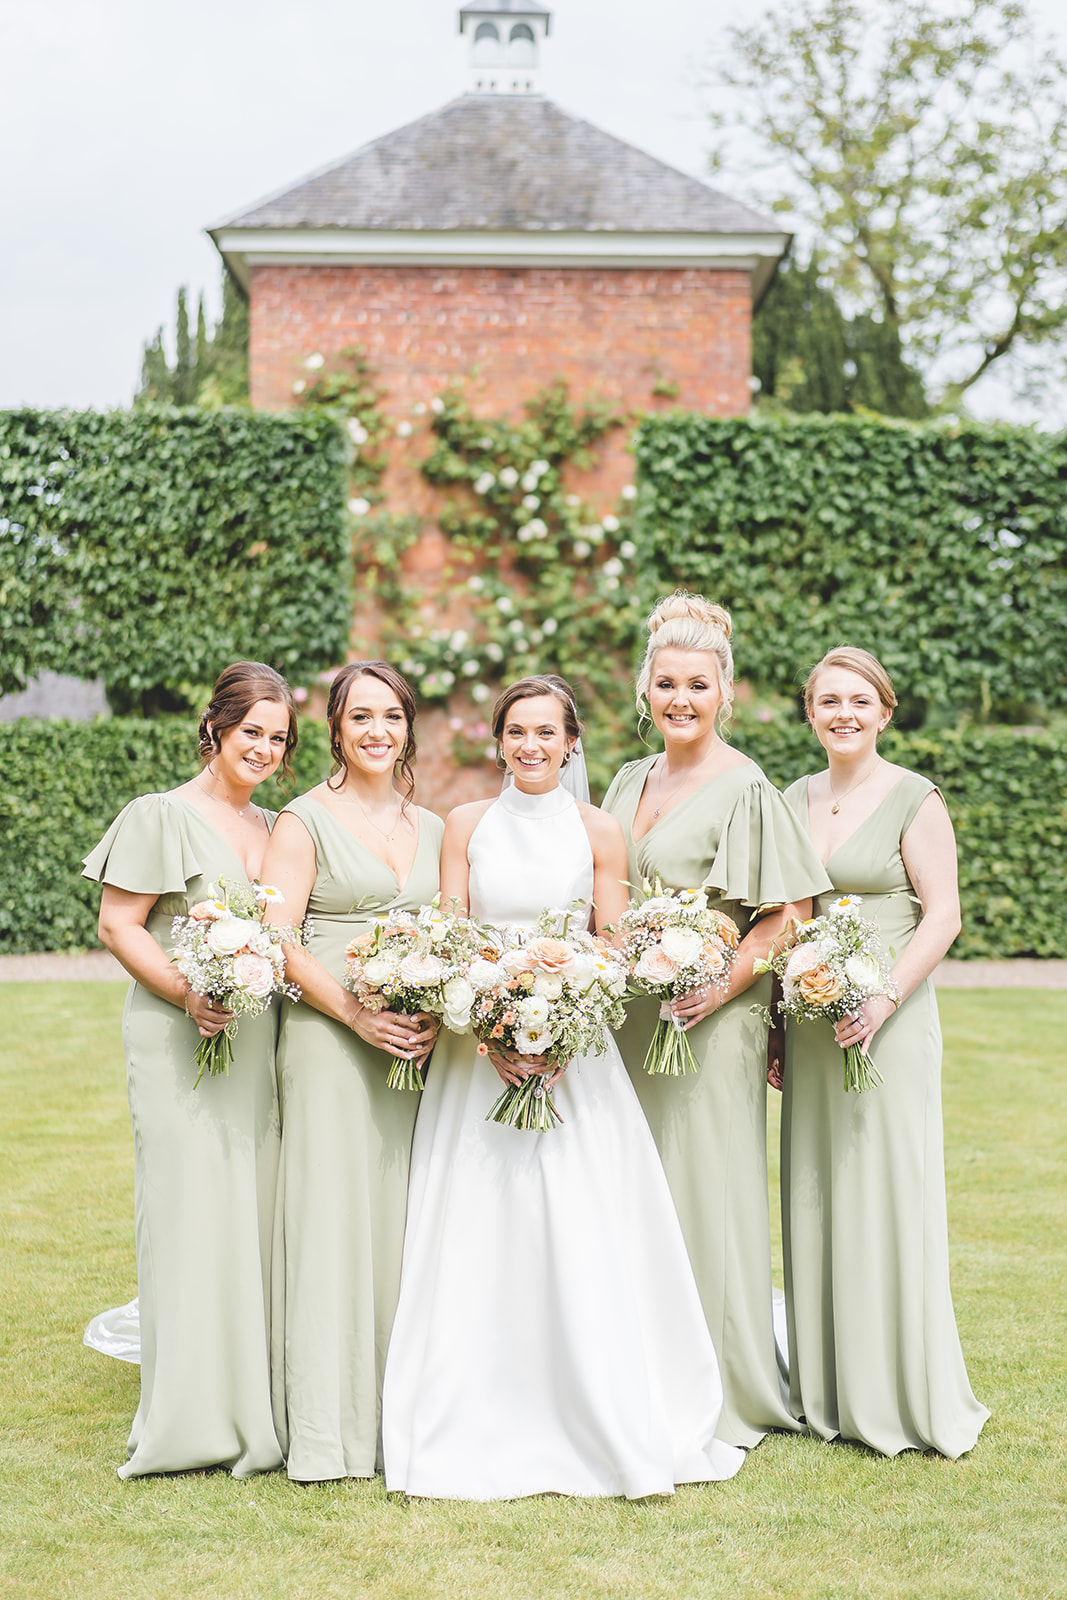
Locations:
(506, 332)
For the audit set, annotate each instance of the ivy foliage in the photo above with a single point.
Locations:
(152, 547)
(941, 548)
(64, 782)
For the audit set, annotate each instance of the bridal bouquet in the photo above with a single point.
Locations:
(829, 967)
(411, 962)
(550, 990)
(674, 942)
(227, 950)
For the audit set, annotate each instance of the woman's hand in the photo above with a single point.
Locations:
(861, 1025)
(693, 1007)
(209, 1018)
(515, 1069)
(409, 1037)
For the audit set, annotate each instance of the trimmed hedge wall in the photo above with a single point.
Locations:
(942, 549)
(64, 782)
(151, 547)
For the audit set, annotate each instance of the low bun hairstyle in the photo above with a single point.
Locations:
(335, 710)
(853, 660)
(236, 691)
(689, 622)
(530, 689)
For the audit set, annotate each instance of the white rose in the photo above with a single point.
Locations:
(377, 971)
(659, 902)
(803, 958)
(227, 935)
(864, 973)
(484, 975)
(533, 1011)
(458, 996)
(548, 985)
(582, 973)
(682, 945)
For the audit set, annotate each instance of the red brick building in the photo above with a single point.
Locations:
(502, 242)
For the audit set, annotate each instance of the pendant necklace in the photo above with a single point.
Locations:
(663, 798)
(352, 801)
(231, 809)
(836, 807)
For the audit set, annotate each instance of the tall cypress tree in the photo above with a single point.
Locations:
(213, 370)
(184, 371)
(808, 356)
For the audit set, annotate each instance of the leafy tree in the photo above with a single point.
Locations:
(213, 370)
(809, 356)
(924, 145)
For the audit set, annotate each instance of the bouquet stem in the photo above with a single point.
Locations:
(526, 1105)
(214, 1055)
(860, 1070)
(670, 1052)
(405, 1075)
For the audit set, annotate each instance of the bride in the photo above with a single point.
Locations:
(549, 1334)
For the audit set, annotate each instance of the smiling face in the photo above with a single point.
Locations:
(846, 713)
(252, 750)
(684, 697)
(374, 728)
(534, 743)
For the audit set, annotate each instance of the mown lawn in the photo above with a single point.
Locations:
(802, 1519)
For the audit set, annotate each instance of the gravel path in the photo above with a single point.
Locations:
(100, 966)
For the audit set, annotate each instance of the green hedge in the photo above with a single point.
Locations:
(151, 547)
(64, 782)
(941, 548)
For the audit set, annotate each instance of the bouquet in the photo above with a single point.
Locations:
(674, 942)
(829, 967)
(228, 951)
(411, 962)
(550, 990)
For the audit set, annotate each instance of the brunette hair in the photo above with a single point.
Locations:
(853, 660)
(335, 710)
(689, 622)
(237, 688)
(530, 689)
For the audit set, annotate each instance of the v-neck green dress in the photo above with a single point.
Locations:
(736, 836)
(342, 1191)
(205, 1169)
(874, 1352)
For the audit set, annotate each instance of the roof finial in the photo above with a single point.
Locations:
(505, 36)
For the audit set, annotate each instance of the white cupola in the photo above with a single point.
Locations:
(504, 38)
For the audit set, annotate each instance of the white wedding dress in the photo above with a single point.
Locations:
(549, 1335)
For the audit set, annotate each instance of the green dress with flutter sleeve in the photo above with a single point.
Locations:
(205, 1171)
(874, 1351)
(342, 1191)
(735, 836)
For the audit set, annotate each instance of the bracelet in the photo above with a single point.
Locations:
(185, 1004)
(892, 992)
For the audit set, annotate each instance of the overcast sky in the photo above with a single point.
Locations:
(129, 126)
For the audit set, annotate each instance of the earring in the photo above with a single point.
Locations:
(501, 763)
(566, 758)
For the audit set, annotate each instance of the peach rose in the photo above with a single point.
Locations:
(656, 966)
(818, 985)
(254, 974)
(203, 911)
(551, 955)
(515, 961)
(729, 932)
(714, 960)
(419, 969)
(362, 942)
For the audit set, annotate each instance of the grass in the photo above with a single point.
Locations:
(803, 1519)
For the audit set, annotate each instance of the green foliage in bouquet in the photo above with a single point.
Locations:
(152, 547)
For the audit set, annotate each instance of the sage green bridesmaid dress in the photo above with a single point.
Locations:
(205, 1173)
(874, 1352)
(342, 1191)
(735, 836)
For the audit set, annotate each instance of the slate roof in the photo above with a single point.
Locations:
(507, 163)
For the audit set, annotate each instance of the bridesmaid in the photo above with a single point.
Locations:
(875, 1355)
(205, 1159)
(346, 851)
(704, 814)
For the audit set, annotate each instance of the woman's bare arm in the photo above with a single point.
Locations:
(122, 930)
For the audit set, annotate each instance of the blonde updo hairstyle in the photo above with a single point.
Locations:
(858, 661)
(689, 622)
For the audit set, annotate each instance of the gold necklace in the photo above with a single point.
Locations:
(836, 807)
(683, 780)
(232, 809)
(350, 799)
